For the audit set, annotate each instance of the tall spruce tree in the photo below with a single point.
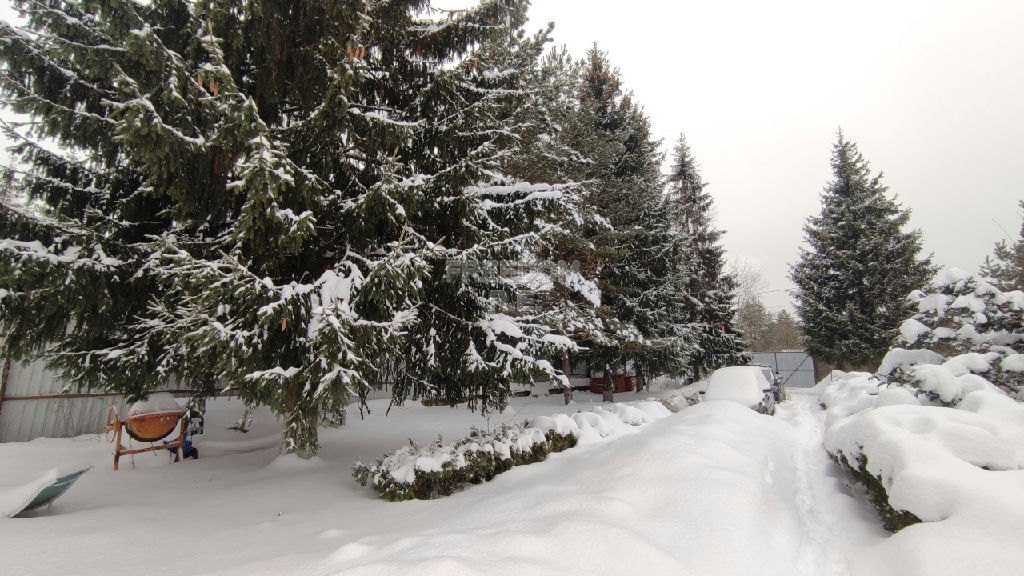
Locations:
(642, 259)
(1005, 267)
(711, 291)
(271, 195)
(853, 281)
(566, 256)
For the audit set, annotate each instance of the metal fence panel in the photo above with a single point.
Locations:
(26, 419)
(30, 379)
(32, 405)
(796, 369)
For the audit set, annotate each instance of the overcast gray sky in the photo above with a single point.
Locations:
(932, 91)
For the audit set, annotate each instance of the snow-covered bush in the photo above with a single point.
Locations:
(854, 393)
(922, 432)
(968, 326)
(439, 469)
(927, 452)
(893, 520)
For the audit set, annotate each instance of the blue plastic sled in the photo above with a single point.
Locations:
(45, 494)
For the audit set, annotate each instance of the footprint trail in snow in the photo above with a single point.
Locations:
(822, 545)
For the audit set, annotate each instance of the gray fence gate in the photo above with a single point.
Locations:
(796, 369)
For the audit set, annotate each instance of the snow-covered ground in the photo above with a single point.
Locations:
(713, 490)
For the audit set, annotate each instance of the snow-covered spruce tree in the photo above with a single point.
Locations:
(643, 269)
(266, 194)
(565, 265)
(1005, 267)
(472, 340)
(852, 282)
(961, 314)
(711, 290)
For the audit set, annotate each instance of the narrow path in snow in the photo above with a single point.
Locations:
(823, 543)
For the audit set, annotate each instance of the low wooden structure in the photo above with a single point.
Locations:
(623, 383)
(146, 428)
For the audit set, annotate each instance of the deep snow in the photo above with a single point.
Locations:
(713, 490)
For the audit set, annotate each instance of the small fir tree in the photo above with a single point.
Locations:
(1005, 267)
(960, 313)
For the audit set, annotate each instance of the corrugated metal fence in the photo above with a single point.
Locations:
(32, 405)
(796, 369)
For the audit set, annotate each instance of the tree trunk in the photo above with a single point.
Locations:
(641, 381)
(566, 370)
(609, 387)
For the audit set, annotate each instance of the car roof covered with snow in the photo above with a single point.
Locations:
(742, 384)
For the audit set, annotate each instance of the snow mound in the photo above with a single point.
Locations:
(895, 396)
(1013, 363)
(685, 396)
(900, 358)
(923, 455)
(911, 330)
(717, 472)
(295, 463)
(945, 383)
(895, 436)
(849, 393)
(559, 424)
(638, 413)
(971, 363)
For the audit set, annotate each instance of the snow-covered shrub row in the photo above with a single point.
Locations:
(929, 460)
(969, 326)
(439, 469)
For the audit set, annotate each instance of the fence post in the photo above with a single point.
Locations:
(3, 382)
(3, 379)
